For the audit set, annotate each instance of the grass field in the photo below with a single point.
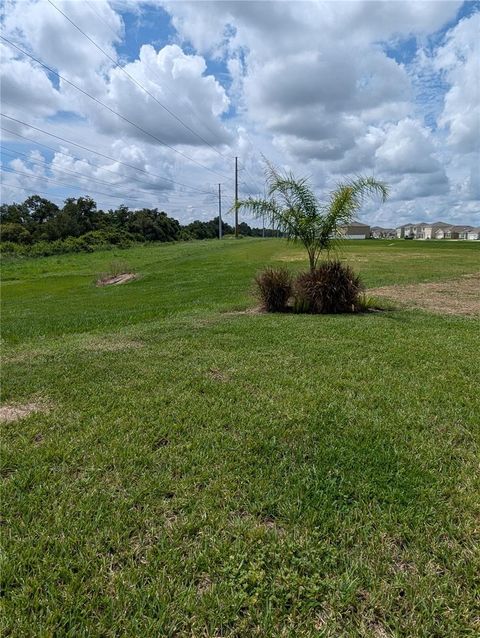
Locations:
(194, 470)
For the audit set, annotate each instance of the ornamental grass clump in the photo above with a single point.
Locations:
(274, 289)
(330, 288)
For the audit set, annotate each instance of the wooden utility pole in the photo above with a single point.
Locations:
(236, 197)
(219, 211)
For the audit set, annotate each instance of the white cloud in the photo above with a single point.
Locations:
(459, 60)
(311, 87)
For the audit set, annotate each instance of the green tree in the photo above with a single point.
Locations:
(292, 206)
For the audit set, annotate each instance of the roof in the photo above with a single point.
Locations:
(439, 224)
(359, 224)
(458, 229)
(474, 230)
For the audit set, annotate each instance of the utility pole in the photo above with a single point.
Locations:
(219, 211)
(236, 197)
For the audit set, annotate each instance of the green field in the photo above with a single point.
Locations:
(201, 471)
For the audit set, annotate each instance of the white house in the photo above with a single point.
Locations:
(377, 232)
(474, 233)
(422, 230)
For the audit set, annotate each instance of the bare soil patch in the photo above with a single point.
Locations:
(15, 412)
(117, 279)
(110, 344)
(453, 297)
(249, 311)
(218, 375)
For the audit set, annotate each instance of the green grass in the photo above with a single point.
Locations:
(203, 472)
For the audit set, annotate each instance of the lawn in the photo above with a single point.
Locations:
(195, 470)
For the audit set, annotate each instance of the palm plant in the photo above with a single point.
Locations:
(293, 207)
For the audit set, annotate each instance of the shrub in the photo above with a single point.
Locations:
(15, 233)
(11, 248)
(274, 289)
(330, 288)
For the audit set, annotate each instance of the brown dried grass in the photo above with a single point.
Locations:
(453, 297)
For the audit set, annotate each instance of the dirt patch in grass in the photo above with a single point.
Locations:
(258, 310)
(110, 344)
(218, 375)
(117, 279)
(454, 297)
(15, 412)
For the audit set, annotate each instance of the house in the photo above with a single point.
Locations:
(422, 230)
(356, 230)
(453, 232)
(430, 229)
(404, 231)
(377, 232)
(474, 233)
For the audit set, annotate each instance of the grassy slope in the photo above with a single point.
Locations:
(207, 474)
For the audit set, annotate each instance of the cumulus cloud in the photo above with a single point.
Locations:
(459, 60)
(313, 86)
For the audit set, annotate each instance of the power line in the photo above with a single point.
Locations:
(62, 170)
(29, 190)
(49, 195)
(55, 181)
(101, 19)
(113, 159)
(191, 159)
(77, 159)
(132, 79)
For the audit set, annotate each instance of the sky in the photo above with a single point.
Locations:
(148, 103)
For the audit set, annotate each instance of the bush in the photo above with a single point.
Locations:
(11, 248)
(15, 233)
(274, 289)
(331, 288)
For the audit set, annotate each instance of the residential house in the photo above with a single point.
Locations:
(430, 229)
(377, 232)
(453, 232)
(422, 230)
(474, 233)
(356, 230)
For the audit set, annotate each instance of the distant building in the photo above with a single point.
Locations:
(434, 230)
(377, 232)
(453, 232)
(474, 233)
(355, 230)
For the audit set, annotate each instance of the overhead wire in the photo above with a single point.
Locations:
(55, 181)
(76, 158)
(135, 81)
(81, 175)
(52, 197)
(141, 129)
(48, 164)
(109, 157)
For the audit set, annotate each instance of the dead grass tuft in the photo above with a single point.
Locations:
(15, 412)
(249, 311)
(218, 375)
(453, 297)
(116, 280)
(110, 344)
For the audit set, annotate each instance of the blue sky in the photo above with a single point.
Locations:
(326, 89)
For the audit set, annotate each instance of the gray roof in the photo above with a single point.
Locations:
(458, 229)
(357, 225)
(440, 224)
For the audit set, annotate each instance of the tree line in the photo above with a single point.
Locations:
(80, 225)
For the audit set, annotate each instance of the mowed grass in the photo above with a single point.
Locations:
(198, 471)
